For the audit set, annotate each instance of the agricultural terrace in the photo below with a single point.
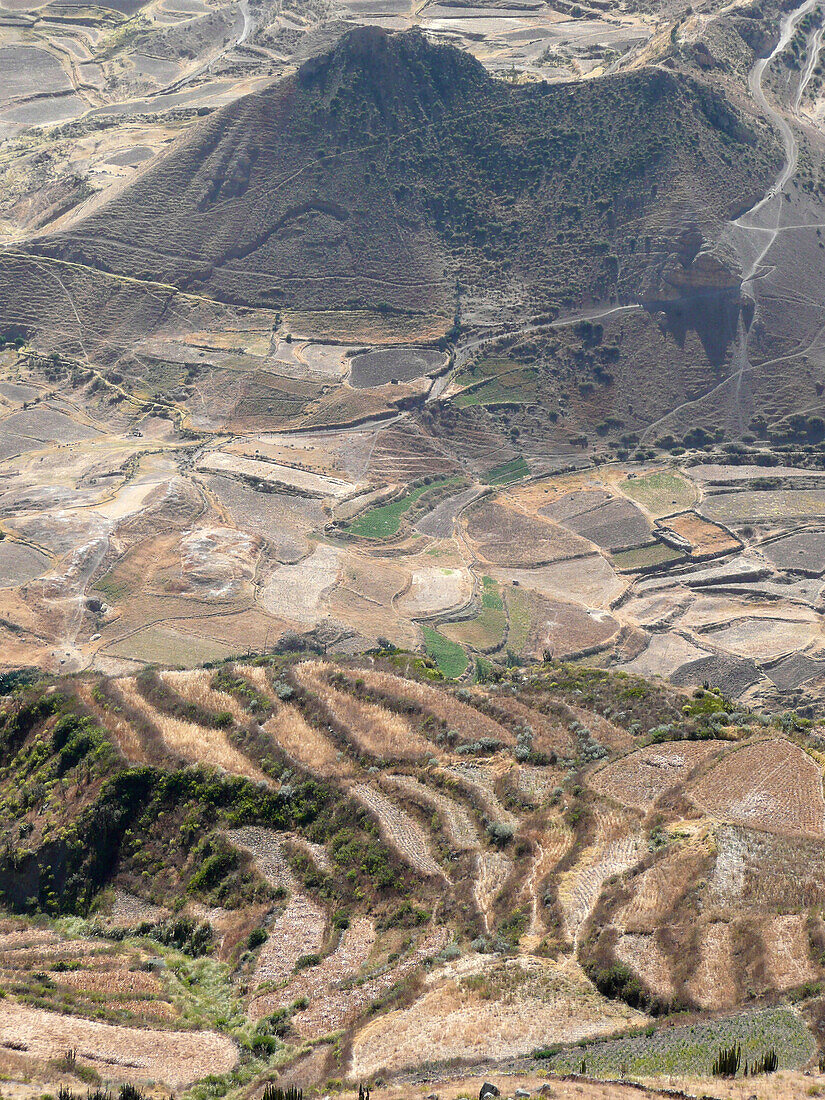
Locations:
(263, 851)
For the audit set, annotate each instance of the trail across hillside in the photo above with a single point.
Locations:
(755, 232)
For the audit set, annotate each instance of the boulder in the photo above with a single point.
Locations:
(488, 1090)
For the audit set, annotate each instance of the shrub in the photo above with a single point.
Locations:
(728, 1061)
(256, 937)
(767, 1063)
(500, 833)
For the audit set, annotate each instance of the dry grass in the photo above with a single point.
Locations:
(480, 781)
(492, 871)
(176, 1058)
(787, 951)
(646, 958)
(656, 891)
(536, 784)
(337, 1008)
(470, 724)
(298, 931)
(372, 729)
(399, 830)
(785, 1085)
(315, 982)
(712, 984)
(305, 744)
(264, 846)
(196, 687)
(606, 733)
(617, 847)
(114, 982)
(198, 744)
(772, 785)
(128, 910)
(704, 536)
(500, 1010)
(549, 735)
(550, 845)
(123, 733)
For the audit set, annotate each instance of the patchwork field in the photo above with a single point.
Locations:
(133, 541)
(411, 642)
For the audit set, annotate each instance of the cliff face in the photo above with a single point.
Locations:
(697, 286)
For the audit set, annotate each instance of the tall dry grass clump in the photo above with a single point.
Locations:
(195, 686)
(470, 724)
(371, 728)
(305, 744)
(197, 744)
(124, 734)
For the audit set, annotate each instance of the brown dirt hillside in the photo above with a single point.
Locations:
(389, 168)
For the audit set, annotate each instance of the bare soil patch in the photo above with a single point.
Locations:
(176, 1058)
(506, 537)
(771, 785)
(642, 777)
(610, 522)
(800, 553)
(377, 368)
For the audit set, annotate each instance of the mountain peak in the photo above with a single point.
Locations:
(393, 64)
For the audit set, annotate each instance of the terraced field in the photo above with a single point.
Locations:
(642, 777)
(772, 785)
(317, 852)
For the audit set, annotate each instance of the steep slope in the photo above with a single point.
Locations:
(390, 168)
(575, 852)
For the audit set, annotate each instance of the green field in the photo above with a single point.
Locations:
(494, 381)
(661, 493)
(643, 557)
(691, 1050)
(485, 632)
(384, 520)
(449, 656)
(112, 588)
(490, 595)
(513, 470)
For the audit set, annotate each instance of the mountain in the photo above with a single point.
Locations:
(392, 173)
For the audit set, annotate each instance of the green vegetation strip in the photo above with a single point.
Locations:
(645, 557)
(449, 656)
(383, 521)
(496, 381)
(691, 1049)
(660, 492)
(490, 596)
(513, 470)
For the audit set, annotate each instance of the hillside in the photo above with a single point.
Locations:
(347, 869)
(390, 169)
